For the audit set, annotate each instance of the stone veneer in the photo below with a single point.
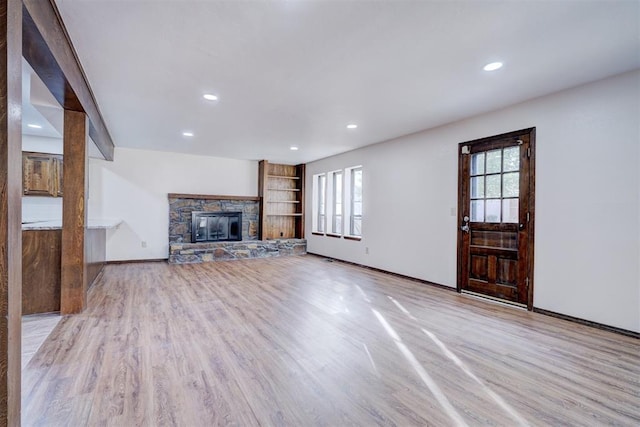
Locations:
(180, 209)
(182, 251)
(188, 253)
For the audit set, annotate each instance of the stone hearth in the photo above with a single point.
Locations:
(188, 253)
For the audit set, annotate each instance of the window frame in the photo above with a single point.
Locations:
(319, 205)
(337, 201)
(352, 201)
(338, 189)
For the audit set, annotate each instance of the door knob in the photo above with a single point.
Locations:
(465, 226)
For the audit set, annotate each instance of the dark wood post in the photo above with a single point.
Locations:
(74, 213)
(10, 210)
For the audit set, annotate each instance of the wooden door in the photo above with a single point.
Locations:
(495, 205)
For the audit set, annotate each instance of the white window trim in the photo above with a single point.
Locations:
(316, 203)
(330, 203)
(334, 201)
(349, 206)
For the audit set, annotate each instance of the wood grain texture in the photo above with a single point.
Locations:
(10, 209)
(301, 341)
(73, 295)
(281, 188)
(210, 197)
(49, 51)
(41, 251)
(35, 330)
(499, 242)
(39, 174)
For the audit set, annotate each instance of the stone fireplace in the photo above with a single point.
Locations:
(209, 228)
(182, 207)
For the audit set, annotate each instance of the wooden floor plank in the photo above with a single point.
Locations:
(301, 341)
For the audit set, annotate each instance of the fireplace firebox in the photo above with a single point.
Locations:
(216, 226)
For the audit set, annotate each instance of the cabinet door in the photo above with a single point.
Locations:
(58, 174)
(38, 172)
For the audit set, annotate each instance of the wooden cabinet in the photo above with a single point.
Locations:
(58, 163)
(42, 174)
(281, 188)
(41, 258)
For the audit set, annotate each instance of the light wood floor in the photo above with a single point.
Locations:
(35, 329)
(301, 341)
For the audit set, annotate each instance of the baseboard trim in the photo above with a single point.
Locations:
(135, 261)
(415, 279)
(596, 325)
(494, 300)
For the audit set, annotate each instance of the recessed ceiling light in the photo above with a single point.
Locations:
(352, 126)
(187, 133)
(493, 66)
(210, 97)
(293, 148)
(32, 126)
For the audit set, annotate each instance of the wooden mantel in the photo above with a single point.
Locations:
(211, 197)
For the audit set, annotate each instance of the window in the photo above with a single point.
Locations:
(337, 203)
(495, 185)
(336, 219)
(319, 203)
(355, 195)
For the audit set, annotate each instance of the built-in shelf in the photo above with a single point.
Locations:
(283, 176)
(282, 209)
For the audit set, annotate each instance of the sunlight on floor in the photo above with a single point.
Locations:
(496, 397)
(422, 373)
(35, 330)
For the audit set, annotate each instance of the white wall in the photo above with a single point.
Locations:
(135, 185)
(41, 144)
(587, 236)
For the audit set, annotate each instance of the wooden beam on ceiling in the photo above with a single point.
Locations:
(48, 49)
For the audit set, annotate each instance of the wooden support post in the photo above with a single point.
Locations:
(10, 209)
(74, 213)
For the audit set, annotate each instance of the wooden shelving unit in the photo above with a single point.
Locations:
(281, 188)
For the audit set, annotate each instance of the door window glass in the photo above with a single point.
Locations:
(477, 164)
(477, 187)
(493, 210)
(511, 159)
(494, 161)
(495, 185)
(511, 184)
(477, 210)
(509, 210)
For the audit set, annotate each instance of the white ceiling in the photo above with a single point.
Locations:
(297, 72)
(36, 100)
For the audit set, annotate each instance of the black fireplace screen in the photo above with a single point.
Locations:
(216, 226)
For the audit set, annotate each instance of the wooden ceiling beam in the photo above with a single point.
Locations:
(48, 49)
